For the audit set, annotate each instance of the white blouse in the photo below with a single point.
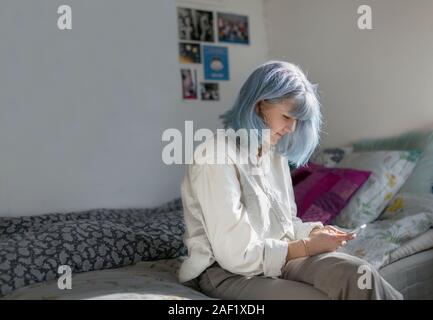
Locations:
(240, 215)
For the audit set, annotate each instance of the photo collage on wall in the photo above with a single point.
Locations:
(197, 49)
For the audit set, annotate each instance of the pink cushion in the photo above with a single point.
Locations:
(321, 193)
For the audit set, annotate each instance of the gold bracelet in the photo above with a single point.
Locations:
(307, 253)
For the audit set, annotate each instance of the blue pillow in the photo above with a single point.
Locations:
(421, 179)
(411, 140)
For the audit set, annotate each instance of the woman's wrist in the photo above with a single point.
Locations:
(297, 249)
(305, 242)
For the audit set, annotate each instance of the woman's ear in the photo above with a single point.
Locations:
(259, 111)
(259, 108)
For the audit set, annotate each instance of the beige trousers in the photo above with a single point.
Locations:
(326, 276)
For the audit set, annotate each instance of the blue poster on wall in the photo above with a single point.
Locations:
(216, 63)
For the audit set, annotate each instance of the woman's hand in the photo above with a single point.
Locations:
(330, 229)
(326, 239)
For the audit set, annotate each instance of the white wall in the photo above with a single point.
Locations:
(373, 82)
(82, 111)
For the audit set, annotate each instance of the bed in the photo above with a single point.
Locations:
(154, 273)
(150, 280)
(412, 276)
(136, 253)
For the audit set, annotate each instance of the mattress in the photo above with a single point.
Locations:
(412, 275)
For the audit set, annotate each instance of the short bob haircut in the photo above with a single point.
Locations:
(274, 82)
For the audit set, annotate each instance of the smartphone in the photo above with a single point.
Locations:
(356, 230)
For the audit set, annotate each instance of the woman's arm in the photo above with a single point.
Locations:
(321, 240)
(235, 244)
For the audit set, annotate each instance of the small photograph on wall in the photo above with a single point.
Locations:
(233, 28)
(209, 91)
(189, 84)
(195, 25)
(216, 63)
(189, 53)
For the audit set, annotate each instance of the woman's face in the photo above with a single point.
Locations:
(277, 117)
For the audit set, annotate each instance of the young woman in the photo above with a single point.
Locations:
(243, 237)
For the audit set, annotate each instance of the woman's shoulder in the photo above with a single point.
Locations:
(209, 159)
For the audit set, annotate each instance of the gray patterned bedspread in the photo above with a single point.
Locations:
(33, 248)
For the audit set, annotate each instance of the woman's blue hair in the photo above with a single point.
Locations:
(274, 82)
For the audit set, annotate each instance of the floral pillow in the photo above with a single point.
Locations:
(421, 179)
(321, 193)
(407, 217)
(390, 170)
